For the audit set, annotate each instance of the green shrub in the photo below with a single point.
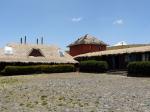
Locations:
(4, 64)
(93, 66)
(57, 68)
(17, 70)
(21, 70)
(139, 68)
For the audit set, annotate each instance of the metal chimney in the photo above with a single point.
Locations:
(37, 41)
(42, 40)
(25, 40)
(21, 40)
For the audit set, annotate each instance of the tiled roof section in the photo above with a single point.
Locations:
(87, 39)
(21, 54)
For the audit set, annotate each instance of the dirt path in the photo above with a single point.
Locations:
(74, 92)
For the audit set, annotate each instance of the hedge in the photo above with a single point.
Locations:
(57, 68)
(21, 70)
(93, 66)
(139, 69)
(4, 64)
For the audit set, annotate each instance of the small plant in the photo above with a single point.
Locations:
(21, 104)
(97, 102)
(86, 103)
(92, 111)
(81, 105)
(61, 98)
(30, 105)
(44, 103)
(60, 104)
(36, 102)
(43, 97)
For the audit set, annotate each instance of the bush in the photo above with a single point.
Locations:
(139, 68)
(93, 66)
(21, 70)
(57, 68)
(4, 64)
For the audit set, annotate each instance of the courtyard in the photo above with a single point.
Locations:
(74, 92)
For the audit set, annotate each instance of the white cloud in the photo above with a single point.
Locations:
(77, 19)
(118, 22)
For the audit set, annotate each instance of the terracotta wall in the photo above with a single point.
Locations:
(85, 48)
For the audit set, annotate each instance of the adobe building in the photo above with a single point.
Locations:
(118, 58)
(86, 44)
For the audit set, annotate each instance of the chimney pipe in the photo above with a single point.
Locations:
(25, 40)
(21, 40)
(42, 40)
(37, 41)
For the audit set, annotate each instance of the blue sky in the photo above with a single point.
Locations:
(61, 22)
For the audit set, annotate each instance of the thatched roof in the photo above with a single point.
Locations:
(117, 51)
(21, 52)
(126, 46)
(87, 39)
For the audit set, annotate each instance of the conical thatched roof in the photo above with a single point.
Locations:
(51, 54)
(87, 39)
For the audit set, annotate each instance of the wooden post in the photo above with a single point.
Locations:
(143, 57)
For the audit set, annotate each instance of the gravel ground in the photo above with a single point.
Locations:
(74, 92)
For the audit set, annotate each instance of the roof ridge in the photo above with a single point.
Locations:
(87, 39)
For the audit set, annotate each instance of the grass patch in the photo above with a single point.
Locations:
(36, 102)
(44, 103)
(43, 97)
(29, 105)
(21, 104)
(8, 81)
(61, 98)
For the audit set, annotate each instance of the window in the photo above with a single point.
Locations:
(36, 53)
